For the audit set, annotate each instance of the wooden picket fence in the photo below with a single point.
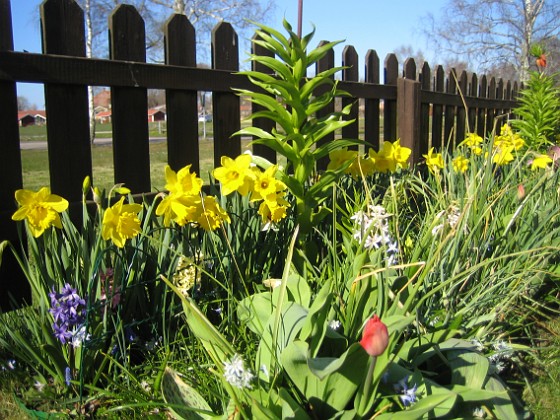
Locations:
(422, 108)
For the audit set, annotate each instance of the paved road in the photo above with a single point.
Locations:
(42, 145)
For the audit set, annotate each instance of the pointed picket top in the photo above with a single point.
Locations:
(225, 47)
(425, 76)
(391, 69)
(63, 28)
(372, 67)
(179, 41)
(350, 60)
(127, 34)
(409, 69)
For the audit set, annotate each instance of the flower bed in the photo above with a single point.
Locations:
(373, 288)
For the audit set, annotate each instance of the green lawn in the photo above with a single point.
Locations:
(36, 173)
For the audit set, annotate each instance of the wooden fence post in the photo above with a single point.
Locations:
(371, 106)
(260, 122)
(437, 110)
(481, 120)
(351, 74)
(408, 110)
(66, 105)
(450, 111)
(13, 284)
(389, 106)
(325, 63)
(226, 113)
(181, 105)
(425, 85)
(131, 149)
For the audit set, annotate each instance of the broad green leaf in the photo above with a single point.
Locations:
(341, 377)
(184, 401)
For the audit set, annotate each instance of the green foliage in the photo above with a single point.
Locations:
(539, 111)
(292, 101)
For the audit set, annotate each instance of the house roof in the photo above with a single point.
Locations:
(32, 113)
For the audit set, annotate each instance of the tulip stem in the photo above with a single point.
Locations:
(369, 378)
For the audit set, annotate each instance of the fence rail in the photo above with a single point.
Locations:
(420, 107)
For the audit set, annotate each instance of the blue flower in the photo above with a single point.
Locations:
(68, 311)
(407, 395)
(68, 376)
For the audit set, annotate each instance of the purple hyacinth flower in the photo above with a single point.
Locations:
(68, 376)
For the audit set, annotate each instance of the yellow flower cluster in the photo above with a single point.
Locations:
(390, 157)
(121, 222)
(185, 203)
(240, 175)
(505, 145)
(41, 209)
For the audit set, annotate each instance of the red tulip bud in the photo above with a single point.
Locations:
(541, 61)
(376, 337)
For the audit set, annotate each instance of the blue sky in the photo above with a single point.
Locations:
(366, 24)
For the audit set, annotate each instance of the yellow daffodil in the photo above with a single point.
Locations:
(390, 157)
(41, 209)
(540, 161)
(503, 155)
(235, 175)
(473, 142)
(182, 182)
(434, 161)
(266, 184)
(361, 167)
(460, 164)
(340, 157)
(210, 216)
(273, 211)
(401, 154)
(121, 222)
(180, 208)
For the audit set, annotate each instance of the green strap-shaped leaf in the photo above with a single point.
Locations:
(184, 401)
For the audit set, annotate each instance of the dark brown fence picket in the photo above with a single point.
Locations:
(437, 110)
(350, 74)
(471, 114)
(425, 85)
(450, 110)
(491, 112)
(481, 121)
(67, 105)
(225, 105)
(181, 105)
(12, 281)
(129, 105)
(462, 87)
(390, 106)
(371, 105)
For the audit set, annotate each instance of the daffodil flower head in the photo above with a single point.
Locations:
(235, 175)
(41, 209)
(121, 222)
(460, 164)
(182, 182)
(179, 208)
(210, 216)
(540, 162)
(340, 157)
(473, 142)
(273, 211)
(502, 155)
(266, 185)
(434, 161)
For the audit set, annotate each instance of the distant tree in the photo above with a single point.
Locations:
(22, 103)
(406, 51)
(494, 33)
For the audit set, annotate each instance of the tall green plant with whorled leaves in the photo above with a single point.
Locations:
(292, 101)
